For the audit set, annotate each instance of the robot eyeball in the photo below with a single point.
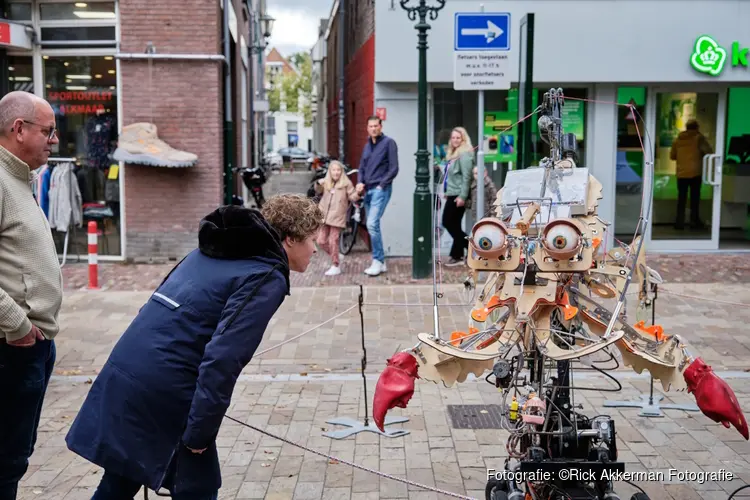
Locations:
(562, 239)
(489, 238)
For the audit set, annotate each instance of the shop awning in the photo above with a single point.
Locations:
(15, 35)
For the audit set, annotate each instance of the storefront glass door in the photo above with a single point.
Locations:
(686, 136)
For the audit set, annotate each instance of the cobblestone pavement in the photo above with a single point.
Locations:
(674, 268)
(294, 390)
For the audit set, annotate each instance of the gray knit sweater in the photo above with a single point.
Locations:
(31, 285)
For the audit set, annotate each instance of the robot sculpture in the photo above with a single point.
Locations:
(554, 298)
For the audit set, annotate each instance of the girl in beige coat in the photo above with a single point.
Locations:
(338, 191)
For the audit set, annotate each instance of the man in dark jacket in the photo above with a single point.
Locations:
(688, 150)
(377, 170)
(153, 413)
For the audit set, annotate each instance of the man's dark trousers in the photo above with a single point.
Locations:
(24, 376)
(692, 184)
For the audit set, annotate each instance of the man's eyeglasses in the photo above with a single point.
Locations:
(49, 131)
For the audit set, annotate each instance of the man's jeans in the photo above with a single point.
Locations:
(24, 376)
(376, 200)
(114, 487)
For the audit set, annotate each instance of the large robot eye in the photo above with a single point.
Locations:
(489, 238)
(561, 239)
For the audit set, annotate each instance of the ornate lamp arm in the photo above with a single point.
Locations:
(422, 9)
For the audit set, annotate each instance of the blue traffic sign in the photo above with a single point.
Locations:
(482, 31)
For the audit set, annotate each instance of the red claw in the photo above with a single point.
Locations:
(714, 396)
(395, 386)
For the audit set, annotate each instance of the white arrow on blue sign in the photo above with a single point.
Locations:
(482, 31)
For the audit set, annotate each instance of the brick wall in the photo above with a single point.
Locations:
(360, 25)
(359, 79)
(360, 98)
(332, 87)
(163, 206)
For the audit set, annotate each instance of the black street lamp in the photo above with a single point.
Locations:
(257, 45)
(423, 204)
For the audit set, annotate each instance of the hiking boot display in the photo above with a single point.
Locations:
(140, 144)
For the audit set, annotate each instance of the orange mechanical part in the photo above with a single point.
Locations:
(457, 337)
(569, 312)
(656, 331)
(480, 314)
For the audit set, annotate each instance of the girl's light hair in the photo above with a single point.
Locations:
(344, 180)
(464, 147)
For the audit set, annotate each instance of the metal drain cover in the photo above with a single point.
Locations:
(475, 416)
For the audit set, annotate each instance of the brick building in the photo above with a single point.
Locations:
(104, 65)
(359, 77)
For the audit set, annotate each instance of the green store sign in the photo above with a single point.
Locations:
(710, 58)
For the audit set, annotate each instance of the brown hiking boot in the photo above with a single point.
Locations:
(140, 144)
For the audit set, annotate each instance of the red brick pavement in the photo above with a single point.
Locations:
(674, 268)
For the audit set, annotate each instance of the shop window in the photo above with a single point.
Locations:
(77, 11)
(20, 73)
(78, 33)
(291, 134)
(629, 173)
(79, 23)
(83, 93)
(735, 192)
(19, 11)
(574, 121)
(454, 108)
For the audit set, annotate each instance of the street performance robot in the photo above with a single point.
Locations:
(554, 297)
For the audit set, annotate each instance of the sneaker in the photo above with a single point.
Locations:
(139, 143)
(375, 268)
(453, 262)
(333, 271)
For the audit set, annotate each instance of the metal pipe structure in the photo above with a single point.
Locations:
(175, 57)
(251, 83)
(228, 125)
(341, 68)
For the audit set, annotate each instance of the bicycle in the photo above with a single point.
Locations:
(356, 221)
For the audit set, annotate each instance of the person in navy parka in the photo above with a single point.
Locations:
(153, 413)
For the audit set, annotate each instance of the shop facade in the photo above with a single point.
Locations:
(105, 65)
(600, 55)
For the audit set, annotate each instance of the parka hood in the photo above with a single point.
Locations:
(232, 232)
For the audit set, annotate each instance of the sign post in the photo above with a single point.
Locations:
(481, 62)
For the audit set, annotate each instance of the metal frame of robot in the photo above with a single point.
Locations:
(532, 262)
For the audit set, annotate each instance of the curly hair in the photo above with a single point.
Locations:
(293, 215)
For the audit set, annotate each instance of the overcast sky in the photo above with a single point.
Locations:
(296, 26)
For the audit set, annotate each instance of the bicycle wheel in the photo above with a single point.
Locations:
(348, 235)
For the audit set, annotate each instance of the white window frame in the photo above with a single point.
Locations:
(36, 14)
(74, 49)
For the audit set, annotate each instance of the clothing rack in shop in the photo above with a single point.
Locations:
(72, 222)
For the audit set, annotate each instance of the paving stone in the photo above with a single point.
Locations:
(674, 268)
(252, 490)
(433, 453)
(308, 491)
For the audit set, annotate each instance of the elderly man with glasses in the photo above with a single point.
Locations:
(30, 283)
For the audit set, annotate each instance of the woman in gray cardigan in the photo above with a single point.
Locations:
(457, 187)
